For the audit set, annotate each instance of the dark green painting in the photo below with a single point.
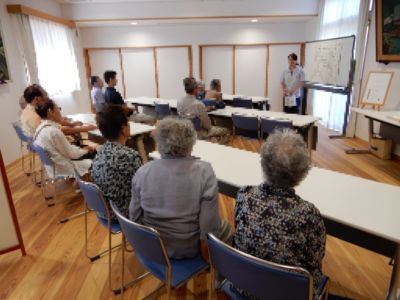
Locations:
(388, 30)
(3, 63)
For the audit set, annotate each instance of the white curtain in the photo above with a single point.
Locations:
(55, 57)
(26, 48)
(339, 18)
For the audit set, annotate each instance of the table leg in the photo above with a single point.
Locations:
(141, 149)
(310, 139)
(368, 150)
(395, 276)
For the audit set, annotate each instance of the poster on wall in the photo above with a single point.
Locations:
(387, 30)
(3, 63)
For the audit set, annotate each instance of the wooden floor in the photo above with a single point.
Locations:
(56, 266)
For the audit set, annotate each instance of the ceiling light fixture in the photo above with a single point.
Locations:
(133, 23)
(254, 20)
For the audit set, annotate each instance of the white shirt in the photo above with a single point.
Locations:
(97, 98)
(292, 77)
(50, 137)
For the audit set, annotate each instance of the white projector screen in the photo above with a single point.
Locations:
(329, 61)
(218, 64)
(139, 72)
(173, 67)
(250, 70)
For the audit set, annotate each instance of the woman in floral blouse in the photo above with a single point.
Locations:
(272, 222)
(115, 163)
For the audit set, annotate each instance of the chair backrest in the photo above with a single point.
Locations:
(20, 132)
(241, 102)
(93, 197)
(162, 110)
(260, 278)
(43, 155)
(268, 126)
(145, 240)
(245, 122)
(209, 102)
(194, 119)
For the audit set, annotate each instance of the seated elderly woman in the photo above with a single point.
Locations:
(115, 164)
(272, 222)
(67, 158)
(215, 93)
(178, 193)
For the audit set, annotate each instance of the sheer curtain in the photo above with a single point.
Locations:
(55, 57)
(339, 18)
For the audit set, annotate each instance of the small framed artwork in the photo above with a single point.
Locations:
(4, 74)
(387, 30)
(376, 89)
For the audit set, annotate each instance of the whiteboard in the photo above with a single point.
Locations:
(173, 67)
(329, 61)
(376, 88)
(139, 72)
(278, 62)
(218, 64)
(250, 70)
(103, 60)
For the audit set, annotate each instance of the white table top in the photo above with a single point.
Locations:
(367, 205)
(135, 128)
(254, 99)
(298, 120)
(391, 117)
(148, 101)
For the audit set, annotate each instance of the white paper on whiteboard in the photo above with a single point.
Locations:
(377, 86)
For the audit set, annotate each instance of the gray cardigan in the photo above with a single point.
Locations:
(179, 198)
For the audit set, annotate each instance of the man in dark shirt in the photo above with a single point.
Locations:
(112, 96)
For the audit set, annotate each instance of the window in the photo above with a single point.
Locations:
(55, 56)
(339, 18)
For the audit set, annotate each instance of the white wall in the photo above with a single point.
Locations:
(193, 34)
(185, 8)
(12, 91)
(393, 99)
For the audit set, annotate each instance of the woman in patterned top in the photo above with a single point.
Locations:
(272, 222)
(115, 163)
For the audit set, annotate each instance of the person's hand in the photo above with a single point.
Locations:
(77, 123)
(91, 127)
(89, 149)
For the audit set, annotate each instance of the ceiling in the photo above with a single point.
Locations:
(132, 1)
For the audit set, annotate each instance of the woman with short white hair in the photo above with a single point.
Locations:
(272, 221)
(178, 193)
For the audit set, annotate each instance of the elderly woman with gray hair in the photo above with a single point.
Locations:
(272, 222)
(178, 193)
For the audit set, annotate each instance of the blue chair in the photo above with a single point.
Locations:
(94, 201)
(25, 143)
(249, 125)
(268, 125)
(209, 102)
(241, 102)
(259, 278)
(152, 254)
(192, 118)
(162, 110)
(53, 177)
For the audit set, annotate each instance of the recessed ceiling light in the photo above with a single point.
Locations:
(254, 20)
(133, 23)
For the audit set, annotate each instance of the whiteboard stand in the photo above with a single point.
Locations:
(342, 49)
(376, 89)
(10, 234)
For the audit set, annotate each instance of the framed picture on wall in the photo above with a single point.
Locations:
(387, 30)
(4, 74)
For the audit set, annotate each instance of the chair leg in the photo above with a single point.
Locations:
(74, 216)
(133, 281)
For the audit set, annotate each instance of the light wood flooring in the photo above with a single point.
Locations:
(56, 266)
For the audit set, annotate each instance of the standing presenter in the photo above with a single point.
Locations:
(292, 79)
